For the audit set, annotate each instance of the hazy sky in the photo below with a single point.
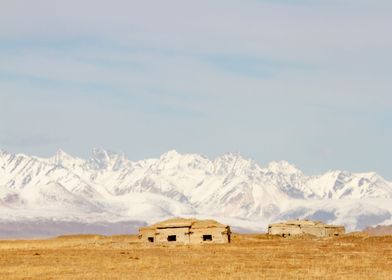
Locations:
(308, 81)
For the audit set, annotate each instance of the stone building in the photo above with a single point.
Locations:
(185, 231)
(302, 227)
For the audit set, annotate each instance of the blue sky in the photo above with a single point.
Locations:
(304, 81)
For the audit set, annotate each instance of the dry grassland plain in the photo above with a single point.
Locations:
(247, 257)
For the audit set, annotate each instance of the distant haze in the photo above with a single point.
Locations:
(304, 81)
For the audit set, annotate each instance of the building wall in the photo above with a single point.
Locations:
(285, 230)
(185, 235)
(319, 231)
(334, 231)
(219, 235)
(182, 235)
(316, 231)
(144, 234)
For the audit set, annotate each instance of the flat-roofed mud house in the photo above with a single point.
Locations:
(303, 227)
(185, 231)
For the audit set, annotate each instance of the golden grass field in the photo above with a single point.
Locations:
(247, 257)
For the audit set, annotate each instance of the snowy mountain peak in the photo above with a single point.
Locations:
(230, 186)
(61, 155)
(170, 155)
(234, 164)
(104, 159)
(63, 159)
(283, 167)
(231, 156)
(101, 154)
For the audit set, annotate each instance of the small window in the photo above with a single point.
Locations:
(151, 239)
(172, 238)
(207, 237)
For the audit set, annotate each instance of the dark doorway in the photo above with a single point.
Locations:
(172, 238)
(151, 239)
(207, 237)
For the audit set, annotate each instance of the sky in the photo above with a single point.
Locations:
(304, 81)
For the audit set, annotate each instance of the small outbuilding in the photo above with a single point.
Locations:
(303, 227)
(185, 231)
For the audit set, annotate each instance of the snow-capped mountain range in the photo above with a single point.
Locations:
(108, 193)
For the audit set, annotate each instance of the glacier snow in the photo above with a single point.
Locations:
(64, 193)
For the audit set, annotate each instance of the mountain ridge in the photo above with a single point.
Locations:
(110, 187)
